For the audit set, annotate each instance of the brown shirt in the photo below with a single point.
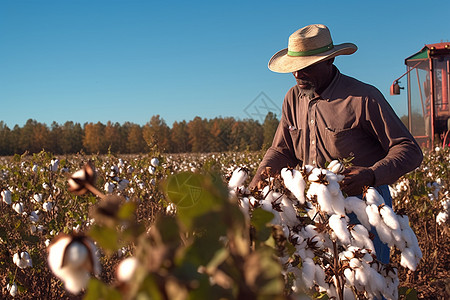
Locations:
(349, 119)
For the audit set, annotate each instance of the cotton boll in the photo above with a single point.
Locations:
(384, 233)
(338, 204)
(123, 183)
(109, 187)
(314, 174)
(265, 192)
(47, 206)
(126, 269)
(358, 207)
(348, 293)
(399, 242)
(72, 260)
(151, 170)
(309, 231)
(154, 162)
(408, 236)
(75, 254)
(324, 197)
(349, 276)
(37, 198)
(238, 177)
(320, 276)
(12, 289)
(74, 280)
(18, 207)
(331, 292)
(408, 259)
(403, 221)
(361, 237)
(339, 225)
(442, 218)
(288, 214)
(373, 197)
(373, 215)
(308, 272)
(377, 281)
(361, 277)
(312, 214)
(6, 197)
(244, 205)
(294, 181)
(389, 217)
(335, 166)
(355, 263)
(34, 217)
(22, 260)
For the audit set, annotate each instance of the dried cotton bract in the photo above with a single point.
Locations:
(72, 259)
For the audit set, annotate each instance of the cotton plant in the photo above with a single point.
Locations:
(6, 196)
(442, 216)
(22, 260)
(12, 289)
(73, 258)
(337, 258)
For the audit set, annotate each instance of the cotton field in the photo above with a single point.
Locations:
(187, 226)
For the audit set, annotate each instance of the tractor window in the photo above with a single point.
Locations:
(441, 92)
(419, 97)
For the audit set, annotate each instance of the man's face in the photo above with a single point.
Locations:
(314, 77)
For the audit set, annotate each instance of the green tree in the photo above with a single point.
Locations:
(179, 137)
(156, 132)
(93, 139)
(199, 135)
(269, 128)
(135, 139)
(6, 148)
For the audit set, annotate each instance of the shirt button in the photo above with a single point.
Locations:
(312, 122)
(314, 162)
(313, 142)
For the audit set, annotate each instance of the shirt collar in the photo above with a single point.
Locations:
(327, 93)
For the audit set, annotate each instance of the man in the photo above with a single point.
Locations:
(328, 115)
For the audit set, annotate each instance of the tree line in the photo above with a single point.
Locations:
(197, 135)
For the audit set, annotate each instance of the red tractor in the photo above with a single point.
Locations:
(428, 94)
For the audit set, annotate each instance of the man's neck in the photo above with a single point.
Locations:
(329, 78)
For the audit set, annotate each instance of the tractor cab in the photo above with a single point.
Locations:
(428, 94)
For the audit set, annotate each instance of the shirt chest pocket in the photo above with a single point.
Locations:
(296, 137)
(341, 143)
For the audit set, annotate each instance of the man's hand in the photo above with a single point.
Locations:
(356, 178)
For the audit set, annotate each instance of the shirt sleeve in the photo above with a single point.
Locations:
(281, 154)
(403, 152)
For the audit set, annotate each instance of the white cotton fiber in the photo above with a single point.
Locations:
(339, 225)
(373, 197)
(389, 217)
(308, 272)
(237, 178)
(358, 207)
(294, 181)
(408, 259)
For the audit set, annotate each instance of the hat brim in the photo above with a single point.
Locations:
(282, 63)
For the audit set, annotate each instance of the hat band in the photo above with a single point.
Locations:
(311, 52)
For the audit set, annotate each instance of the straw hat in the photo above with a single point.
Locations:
(307, 46)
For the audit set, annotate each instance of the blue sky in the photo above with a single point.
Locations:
(90, 60)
